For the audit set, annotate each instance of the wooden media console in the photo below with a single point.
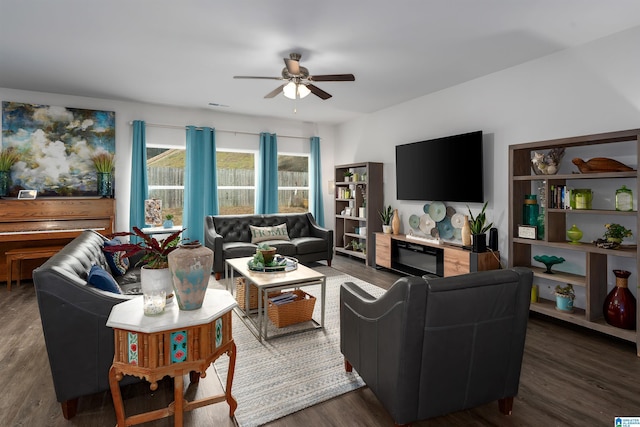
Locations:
(422, 257)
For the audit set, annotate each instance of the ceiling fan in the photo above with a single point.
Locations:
(300, 83)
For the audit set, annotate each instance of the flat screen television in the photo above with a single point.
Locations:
(445, 169)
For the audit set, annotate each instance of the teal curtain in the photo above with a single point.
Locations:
(316, 206)
(139, 187)
(200, 182)
(267, 180)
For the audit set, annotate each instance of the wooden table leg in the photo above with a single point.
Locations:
(114, 385)
(19, 271)
(231, 401)
(9, 271)
(178, 395)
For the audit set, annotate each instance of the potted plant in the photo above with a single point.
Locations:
(564, 298)
(268, 252)
(615, 233)
(347, 176)
(8, 157)
(104, 163)
(168, 221)
(154, 273)
(478, 226)
(385, 215)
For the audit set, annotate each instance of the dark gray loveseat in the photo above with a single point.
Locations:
(74, 316)
(229, 236)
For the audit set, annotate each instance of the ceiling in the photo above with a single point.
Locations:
(186, 53)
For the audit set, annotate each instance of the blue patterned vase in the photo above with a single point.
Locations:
(104, 184)
(190, 267)
(4, 183)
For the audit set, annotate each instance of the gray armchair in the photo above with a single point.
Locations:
(429, 347)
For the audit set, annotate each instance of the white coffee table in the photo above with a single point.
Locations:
(267, 282)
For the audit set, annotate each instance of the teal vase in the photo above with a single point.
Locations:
(4, 183)
(104, 184)
(190, 267)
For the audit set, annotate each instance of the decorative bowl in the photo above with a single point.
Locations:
(549, 261)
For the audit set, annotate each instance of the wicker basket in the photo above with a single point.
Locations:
(240, 294)
(300, 310)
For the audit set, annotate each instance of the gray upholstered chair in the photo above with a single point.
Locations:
(429, 347)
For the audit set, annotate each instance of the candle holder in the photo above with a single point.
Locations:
(153, 302)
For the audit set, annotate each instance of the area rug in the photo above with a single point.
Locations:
(286, 374)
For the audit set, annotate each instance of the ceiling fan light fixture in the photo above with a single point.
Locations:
(295, 90)
(303, 90)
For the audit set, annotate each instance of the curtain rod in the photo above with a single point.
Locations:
(157, 125)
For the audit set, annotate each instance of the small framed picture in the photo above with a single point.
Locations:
(27, 194)
(347, 211)
(527, 232)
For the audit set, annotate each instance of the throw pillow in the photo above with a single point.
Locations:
(277, 232)
(101, 279)
(116, 260)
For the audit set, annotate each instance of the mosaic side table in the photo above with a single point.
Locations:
(173, 343)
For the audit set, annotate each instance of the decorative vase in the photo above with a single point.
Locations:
(386, 229)
(4, 183)
(190, 267)
(104, 184)
(362, 212)
(479, 243)
(167, 223)
(620, 304)
(395, 222)
(540, 224)
(574, 234)
(156, 279)
(466, 232)
(530, 210)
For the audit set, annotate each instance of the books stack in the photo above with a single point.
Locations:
(283, 298)
(559, 197)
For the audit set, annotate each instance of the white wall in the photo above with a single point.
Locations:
(589, 89)
(126, 112)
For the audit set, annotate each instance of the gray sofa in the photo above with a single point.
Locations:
(429, 347)
(74, 315)
(229, 236)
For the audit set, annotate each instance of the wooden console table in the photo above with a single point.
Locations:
(456, 260)
(173, 343)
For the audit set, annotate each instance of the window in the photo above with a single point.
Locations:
(293, 183)
(165, 175)
(236, 182)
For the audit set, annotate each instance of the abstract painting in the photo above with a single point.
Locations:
(55, 146)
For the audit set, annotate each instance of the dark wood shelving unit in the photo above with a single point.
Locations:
(368, 186)
(594, 280)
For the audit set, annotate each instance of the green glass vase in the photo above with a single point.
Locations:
(574, 234)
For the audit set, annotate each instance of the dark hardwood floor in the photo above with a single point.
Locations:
(570, 377)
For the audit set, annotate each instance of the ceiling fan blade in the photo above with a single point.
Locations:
(256, 77)
(293, 66)
(274, 92)
(333, 78)
(318, 92)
